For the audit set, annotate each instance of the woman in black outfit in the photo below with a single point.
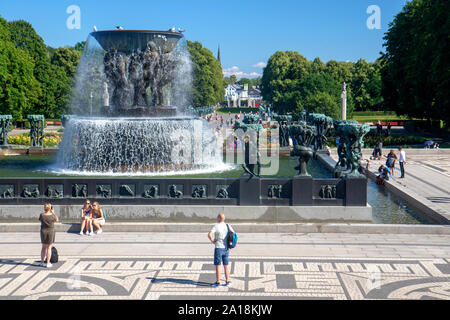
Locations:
(47, 219)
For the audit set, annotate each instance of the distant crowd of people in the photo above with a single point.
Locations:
(379, 127)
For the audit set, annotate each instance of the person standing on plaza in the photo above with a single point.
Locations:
(47, 219)
(402, 162)
(379, 128)
(217, 236)
(380, 148)
(390, 161)
(388, 130)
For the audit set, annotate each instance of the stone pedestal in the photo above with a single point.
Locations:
(353, 191)
(302, 191)
(249, 190)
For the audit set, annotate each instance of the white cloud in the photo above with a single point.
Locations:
(260, 65)
(234, 70)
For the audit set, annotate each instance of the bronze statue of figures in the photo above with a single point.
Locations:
(139, 72)
(5, 122)
(251, 143)
(283, 129)
(151, 192)
(65, 118)
(275, 191)
(222, 193)
(36, 129)
(351, 142)
(342, 164)
(303, 115)
(199, 191)
(174, 192)
(323, 126)
(302, 136)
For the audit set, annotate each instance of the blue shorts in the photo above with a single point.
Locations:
(220, 255)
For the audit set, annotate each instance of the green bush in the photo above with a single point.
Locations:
(371, 139)
(237, 110)
(422, 125)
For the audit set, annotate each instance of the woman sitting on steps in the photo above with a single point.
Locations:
(98, 219)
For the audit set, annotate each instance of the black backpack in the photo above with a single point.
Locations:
(231, 238)
(54, 257)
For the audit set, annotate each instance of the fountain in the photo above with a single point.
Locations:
(130, 123)
(141, 128)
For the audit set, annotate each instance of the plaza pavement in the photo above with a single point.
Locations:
(427, 176)
(263, 266)
(426, 185)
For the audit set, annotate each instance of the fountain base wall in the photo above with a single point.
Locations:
(198, 213)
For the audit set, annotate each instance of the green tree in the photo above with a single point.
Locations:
(362, 75)
(281, 78)
(322, 102)
(416, 70)
(67, 58)
(80, 46)
(19, 90)
(25, 37)
(208, 82)
(340, 71)
(374, 86)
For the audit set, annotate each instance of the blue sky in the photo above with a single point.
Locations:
(248, 31)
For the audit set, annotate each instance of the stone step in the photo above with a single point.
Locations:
(242, 228)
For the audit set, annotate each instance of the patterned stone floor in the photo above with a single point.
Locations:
(252, 278)
(310, 266)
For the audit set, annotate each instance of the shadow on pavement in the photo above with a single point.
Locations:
(19, 263)
(180, 281)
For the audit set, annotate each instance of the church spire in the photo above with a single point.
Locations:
(218, 55)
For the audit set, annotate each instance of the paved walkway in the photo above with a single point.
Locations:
(427, 176)
(263, 266)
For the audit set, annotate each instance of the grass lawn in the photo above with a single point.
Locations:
(374, 116)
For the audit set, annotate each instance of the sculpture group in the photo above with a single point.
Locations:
(308, 135)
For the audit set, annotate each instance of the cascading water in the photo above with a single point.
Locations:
(139, 130)
(136, 145)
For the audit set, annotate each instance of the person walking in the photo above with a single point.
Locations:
(402, 162)
(217, 236)
(47, 219)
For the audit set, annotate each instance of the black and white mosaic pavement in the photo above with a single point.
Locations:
(251, 278)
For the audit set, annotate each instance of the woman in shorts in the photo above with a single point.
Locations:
(98, 219)
(86, 218)
(390, 161)
(47, 219)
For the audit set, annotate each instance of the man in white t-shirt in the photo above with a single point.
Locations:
(217, 236)
(402, 161)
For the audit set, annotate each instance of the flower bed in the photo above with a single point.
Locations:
(49, 140)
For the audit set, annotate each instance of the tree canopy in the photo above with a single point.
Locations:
(291, 83)
(415, 67)
(34, 78)
(208, 86)
(19, 90)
